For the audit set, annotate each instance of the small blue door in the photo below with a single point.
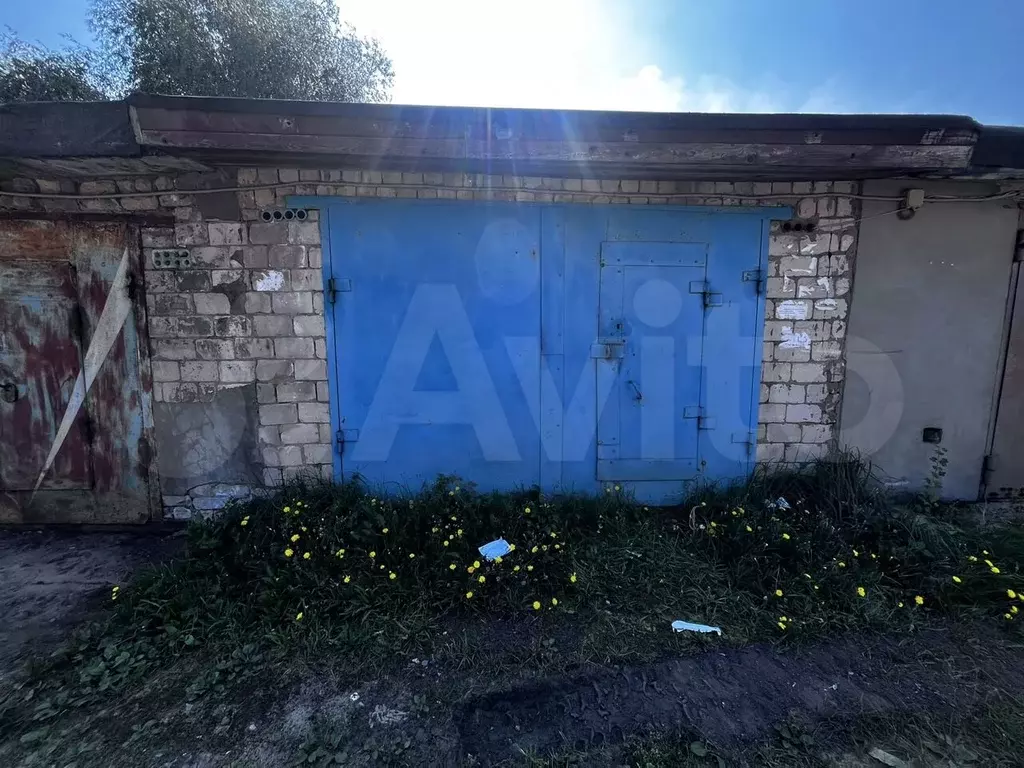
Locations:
(564, 347)
(652, 330)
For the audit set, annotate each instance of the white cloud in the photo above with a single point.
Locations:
(566, 54)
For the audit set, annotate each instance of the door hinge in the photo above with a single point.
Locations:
(988, 466)
(336, 285)
(755, 276)
(709, 297)
(748, 438)
(78, 324)
(131, 287)
(1018, 248)
(343, 436)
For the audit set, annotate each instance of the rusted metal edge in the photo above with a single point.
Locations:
(143, 219)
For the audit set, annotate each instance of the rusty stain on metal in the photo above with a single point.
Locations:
(55, 277)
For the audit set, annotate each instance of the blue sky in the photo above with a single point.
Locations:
(940, 56)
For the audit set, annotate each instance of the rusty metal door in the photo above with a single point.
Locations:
(1005, 478)
(40, 357)
(55, 279)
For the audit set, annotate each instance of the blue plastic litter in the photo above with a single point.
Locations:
(685, 626)
(494, 549)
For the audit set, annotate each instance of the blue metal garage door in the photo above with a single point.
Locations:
(559, 346)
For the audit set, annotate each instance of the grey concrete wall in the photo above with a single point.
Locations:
(925, 332)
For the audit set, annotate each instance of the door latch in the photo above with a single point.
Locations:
(709, 297)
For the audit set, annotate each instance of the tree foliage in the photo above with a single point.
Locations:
(31, 73)
(273, 49)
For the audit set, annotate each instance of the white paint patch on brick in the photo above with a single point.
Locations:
(270, 280)
(792, 310)
(794, 339)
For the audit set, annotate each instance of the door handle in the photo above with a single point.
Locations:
(9, 392)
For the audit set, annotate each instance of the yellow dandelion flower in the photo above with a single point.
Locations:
(304, 528)
(526, 511)
(786, 536)
(781, 625)
(469, 595)
(856, 553)
(529, 567)
(497, 561)
(511, 547)
(558, 546)
(412, 555)
(289, 552)
(714, 524)
(454, 519)
(841, 564)
(298, 616)
(115, 589)
(899, 604)
(482, 579)
(543, 547)
(573, 578)
(434, 530)
(778, 593)
(470, 569)
(1008, 616)
(287, 510)
(306, 556)
(734, 513)
(452, 567)
(384, 530)
(989, 563)
(749, 529)
(862, 592)
(874, 556)
(783, 618)
(995, 570)
(516, 569)
(972, 558)
(347, 579)
(957, 580)
(1014, 609)
(554, 601)
(984, 551)
(245, 521)
(295, 537)
(536, 605)
(451, 493)
(1011, 594)
(476, 563)
(534, 550)
(445, 542)
(340, 553)
(919, 600)
(392, 575)
(372, 555)
(807, 575)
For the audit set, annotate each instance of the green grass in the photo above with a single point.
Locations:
(599, 578)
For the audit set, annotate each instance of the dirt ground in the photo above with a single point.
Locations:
(434, 712)
(50, 579)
